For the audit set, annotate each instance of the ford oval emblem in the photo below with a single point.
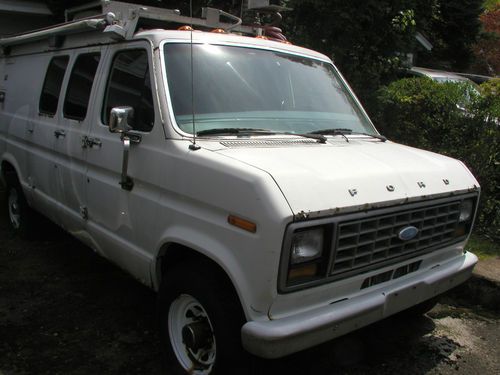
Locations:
(408, 233)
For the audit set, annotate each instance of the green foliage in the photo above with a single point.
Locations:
(452, 26)
(491, 88)
(490, 91)
(364, 37)
(424, 114)
(491, 4)
(483, 247)
(404, 21)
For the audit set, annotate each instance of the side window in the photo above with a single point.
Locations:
(129, 84)
(52, 85)
(80, 85)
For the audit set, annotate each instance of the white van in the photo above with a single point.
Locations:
(237, 176)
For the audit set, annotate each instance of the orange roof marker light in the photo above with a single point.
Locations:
(185, 28)
(219, 31)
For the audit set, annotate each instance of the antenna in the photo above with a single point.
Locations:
(193, 146)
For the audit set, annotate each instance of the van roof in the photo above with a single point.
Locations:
(157, 36)
(92, 32)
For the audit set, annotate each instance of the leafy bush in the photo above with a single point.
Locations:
(454, 120)
(491, 93)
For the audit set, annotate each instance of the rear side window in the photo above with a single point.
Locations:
(52, 85)
(80, 86)
(129, 84)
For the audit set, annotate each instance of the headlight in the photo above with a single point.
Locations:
(307, 245)
(466, 210)
(465, 218)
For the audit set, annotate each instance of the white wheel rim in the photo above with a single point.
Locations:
(14, 211)
(185, 312)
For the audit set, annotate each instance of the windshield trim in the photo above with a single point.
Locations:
(166, 87)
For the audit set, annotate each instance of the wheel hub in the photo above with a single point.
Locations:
(197, 335)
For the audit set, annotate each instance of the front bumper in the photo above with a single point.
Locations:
(277, 338)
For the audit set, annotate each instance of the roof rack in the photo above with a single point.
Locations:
(120, 20)
(114, 20)
(53, 32)
(132, 17)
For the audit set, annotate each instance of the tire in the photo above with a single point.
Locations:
(20, 214)
(200, 320)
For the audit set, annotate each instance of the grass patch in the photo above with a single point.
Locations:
(483, 247)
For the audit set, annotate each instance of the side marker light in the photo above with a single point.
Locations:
(242, 223)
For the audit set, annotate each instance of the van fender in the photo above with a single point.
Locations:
(211, 248)
(9, 158)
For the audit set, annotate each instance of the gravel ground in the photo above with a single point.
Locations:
(64, 310)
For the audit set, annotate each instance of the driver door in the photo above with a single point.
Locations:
(120, 219)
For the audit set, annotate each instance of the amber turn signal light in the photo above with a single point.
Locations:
(242, 223)
(303, 272)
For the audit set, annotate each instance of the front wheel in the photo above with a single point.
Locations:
(200, 323)
(21, 215)
(191, 334)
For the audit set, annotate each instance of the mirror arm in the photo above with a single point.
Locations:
(134, 138)
(126, 182)
(119, 118)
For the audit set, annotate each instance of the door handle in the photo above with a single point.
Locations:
(59, 133)
(94, 142)
(30, 127)
(90, 142)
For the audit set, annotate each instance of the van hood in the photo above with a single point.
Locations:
(324, 179)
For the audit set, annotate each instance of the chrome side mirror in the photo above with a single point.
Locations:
(119, 119)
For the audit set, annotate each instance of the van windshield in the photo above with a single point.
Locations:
(246, 88)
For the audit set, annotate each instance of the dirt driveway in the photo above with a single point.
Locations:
(64, 310)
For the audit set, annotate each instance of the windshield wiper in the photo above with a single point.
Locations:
(343, 131)
(222, 131)
(377, 136)
(334, 131)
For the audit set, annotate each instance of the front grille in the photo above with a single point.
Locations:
(362, 242)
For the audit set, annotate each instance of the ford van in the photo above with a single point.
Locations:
(238, 176)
